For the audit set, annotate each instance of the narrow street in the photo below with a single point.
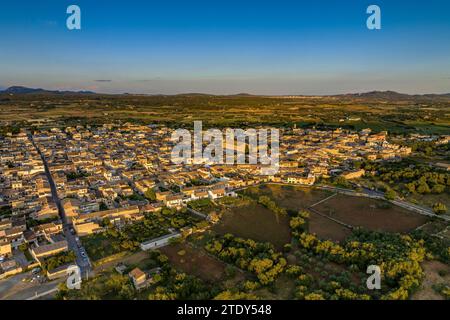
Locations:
(82, 259)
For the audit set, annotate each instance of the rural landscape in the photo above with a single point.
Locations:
(224, 159)
(364, 180)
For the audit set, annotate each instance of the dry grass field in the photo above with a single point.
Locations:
(327, 229)
(194, 261)
(371, 214)
(255, 222)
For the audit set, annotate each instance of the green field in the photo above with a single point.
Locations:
(382, 111)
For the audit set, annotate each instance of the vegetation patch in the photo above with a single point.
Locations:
(256, 222)
(128, 238)
(258, 258)
(58, 260)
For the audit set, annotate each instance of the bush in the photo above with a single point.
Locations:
(54, 262)
(439, 208)
(390, 194)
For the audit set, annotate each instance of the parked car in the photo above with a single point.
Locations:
(35, 270)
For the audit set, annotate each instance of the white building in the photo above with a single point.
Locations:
(159, 242)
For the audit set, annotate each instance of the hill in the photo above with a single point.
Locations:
(25, 90)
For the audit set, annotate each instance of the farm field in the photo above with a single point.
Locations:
(194, 261)
(355, 211)
(371, 214)
(289, 197)
(255, 222)
(327, 229)
(380, 111)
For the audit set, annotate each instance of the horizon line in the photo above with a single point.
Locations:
(87, 91)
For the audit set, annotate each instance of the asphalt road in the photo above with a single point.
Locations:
(82, 259)
(15, 288)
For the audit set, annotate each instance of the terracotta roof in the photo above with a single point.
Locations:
(50, 247)
(137, 273)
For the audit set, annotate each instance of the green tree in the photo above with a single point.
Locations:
(150, 194)
(439, 208)
(390, 194)
(411, 187)
(228, 295)
(423, 188)
(438, 188)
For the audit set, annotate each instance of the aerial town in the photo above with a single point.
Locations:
(104, 197)
(267, 152)
(106, 172)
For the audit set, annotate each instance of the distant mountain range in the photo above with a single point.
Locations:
(372, 95)
(390, 95)
(25, 90)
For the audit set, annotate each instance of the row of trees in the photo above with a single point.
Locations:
(255, 257)
(271, 205)
(298, 222)
(414, 177)
(437, 247)
(429, 148)
(314, 277)
(108, 285)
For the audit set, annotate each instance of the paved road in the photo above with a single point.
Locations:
(369, 193)
(14, 288)
(44, 295)
(82, 259)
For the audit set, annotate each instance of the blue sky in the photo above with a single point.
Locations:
(224, 47)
